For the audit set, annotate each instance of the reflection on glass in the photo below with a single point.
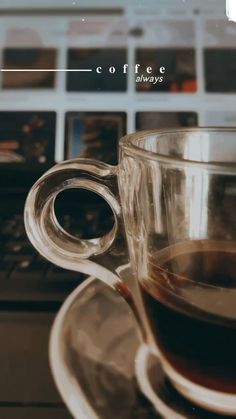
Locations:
(197, 186)
(94, 135)
(104, 81)
(180, 74)
(220, 70)
(29, 59)
(152, 120)
(27, 137)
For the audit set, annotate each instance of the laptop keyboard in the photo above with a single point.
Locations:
(24, 274)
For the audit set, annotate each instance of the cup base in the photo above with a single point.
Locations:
(211, 400)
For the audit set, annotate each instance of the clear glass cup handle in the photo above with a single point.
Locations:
(61, 248)
(57, 245)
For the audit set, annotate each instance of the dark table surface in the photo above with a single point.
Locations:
(27, 390)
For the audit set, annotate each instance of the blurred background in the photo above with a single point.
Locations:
(49, 116)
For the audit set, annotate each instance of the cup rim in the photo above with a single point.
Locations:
(129, 144)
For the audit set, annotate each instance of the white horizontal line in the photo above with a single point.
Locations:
(44, 69)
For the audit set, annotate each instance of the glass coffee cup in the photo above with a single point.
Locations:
(173, 195)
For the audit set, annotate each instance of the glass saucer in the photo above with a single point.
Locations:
(95, 353)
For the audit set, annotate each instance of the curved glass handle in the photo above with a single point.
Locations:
(69, 252)
(52, 241)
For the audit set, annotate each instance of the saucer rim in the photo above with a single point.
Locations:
(78, 407)
(140, 364)
(75, 401)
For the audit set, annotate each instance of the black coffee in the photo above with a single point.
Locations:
(190, 301)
